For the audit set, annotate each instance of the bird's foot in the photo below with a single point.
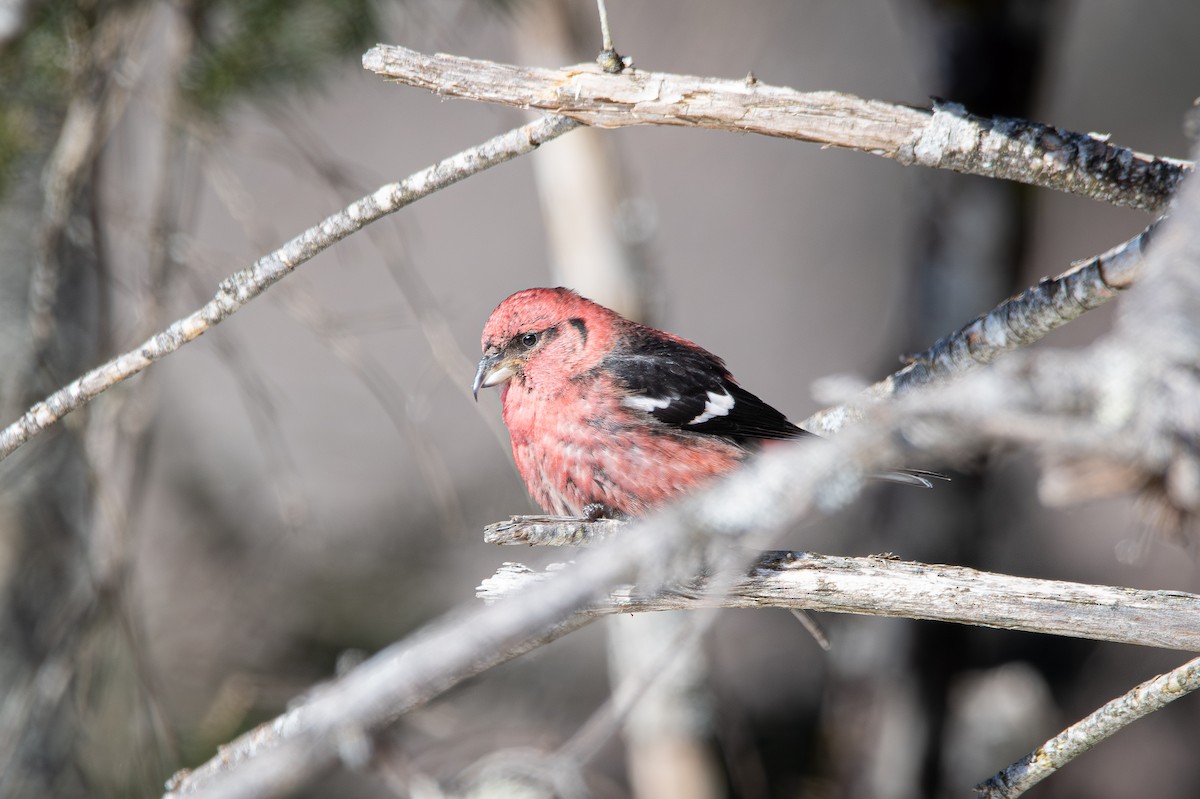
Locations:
(594, 511)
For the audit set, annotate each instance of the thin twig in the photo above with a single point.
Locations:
(633, 687)
(1083, 735)
(813, 627)
(944, 137)
(609, 59)
(607, 37)
(427, 310)
(241, 287)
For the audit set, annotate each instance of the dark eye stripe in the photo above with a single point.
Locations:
(581, 326)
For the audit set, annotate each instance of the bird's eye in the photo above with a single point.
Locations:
(528, 340)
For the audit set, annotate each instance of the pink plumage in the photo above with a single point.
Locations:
(610, 417)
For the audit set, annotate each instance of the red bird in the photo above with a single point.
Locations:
(612, 418)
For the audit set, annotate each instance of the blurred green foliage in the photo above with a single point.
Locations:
(35, 76)
(242, 49)
(267, 46)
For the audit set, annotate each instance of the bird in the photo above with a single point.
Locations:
(610, 418)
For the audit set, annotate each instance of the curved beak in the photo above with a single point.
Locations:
(493, 370)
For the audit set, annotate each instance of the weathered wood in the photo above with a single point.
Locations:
(944, 137)
(878, 586)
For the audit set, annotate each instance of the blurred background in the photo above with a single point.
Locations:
(309, 481)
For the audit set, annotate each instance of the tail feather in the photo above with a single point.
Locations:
(912, 477)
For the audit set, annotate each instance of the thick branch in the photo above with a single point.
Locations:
(878, 586)
(1069, 393)
(1143, 700)
(946, 137)
(766, 496)
(241, 287)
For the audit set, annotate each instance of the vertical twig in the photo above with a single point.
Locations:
(608, 45)
(609, 59)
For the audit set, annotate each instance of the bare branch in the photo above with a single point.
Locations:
(1017, 322)
(1143, 700)
(306, 742)
(877, 586)
(946, 137)
(1077, 403)
(552, 531)
(767, 495)
(241, 287)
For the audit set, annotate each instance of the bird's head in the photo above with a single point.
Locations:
(544, 334)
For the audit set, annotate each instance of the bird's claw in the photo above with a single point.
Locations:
(594, 511)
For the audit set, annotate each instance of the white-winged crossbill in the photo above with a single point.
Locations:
(612, 418)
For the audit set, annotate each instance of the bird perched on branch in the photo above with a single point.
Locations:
(611, 418)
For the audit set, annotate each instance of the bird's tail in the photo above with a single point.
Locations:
(912, 477)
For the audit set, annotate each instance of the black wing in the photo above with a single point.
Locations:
(689, 388)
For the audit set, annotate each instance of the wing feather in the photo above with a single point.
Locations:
(689, 388)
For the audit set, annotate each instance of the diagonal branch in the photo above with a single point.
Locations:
(1068, 393)
(1105, 722)
(241, 287)
(1017, 322)
(766, 496)
(339, 718)
(946, 137)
